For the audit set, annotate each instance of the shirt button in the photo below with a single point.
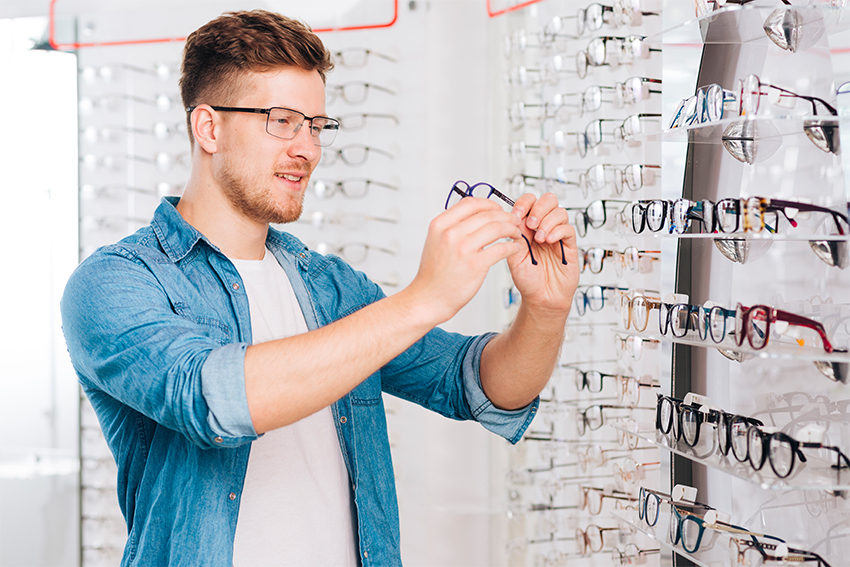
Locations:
(235, 287)
(302, 255)
(218, 440)
(232, 496)
(343, 419)
(365, 554)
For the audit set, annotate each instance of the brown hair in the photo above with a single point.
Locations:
(218, 55)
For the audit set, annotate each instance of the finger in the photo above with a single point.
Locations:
(555, 218)
(488, 234)
(502, 250)
(467, 226)
(523, 205)
(542, 207)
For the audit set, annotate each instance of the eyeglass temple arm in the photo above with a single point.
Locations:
(815, 208)
(801, 321)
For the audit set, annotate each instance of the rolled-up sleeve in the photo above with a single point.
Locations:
(223, 387)
(510, 424)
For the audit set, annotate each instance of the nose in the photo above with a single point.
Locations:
(303, 145)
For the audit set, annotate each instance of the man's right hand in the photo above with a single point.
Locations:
(462, 244)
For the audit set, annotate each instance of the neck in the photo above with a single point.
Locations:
(205, 206)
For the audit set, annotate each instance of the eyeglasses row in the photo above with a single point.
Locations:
(688, 528)
(561, 106)
(633, 176)
(350, 58)
(593, 135)
(712, 103)
(604, 51)
(591, 18)
(747, 438)
(626, 470)
(752, 324)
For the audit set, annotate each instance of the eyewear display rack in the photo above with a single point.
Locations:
(793, 385)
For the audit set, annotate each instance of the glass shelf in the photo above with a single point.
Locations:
(783, 237)
(775, 349)
(815, 474)
(745, 24)
(712, 551)
(769, 129)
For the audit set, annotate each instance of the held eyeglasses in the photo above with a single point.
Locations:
(462, 189)
(285, 123)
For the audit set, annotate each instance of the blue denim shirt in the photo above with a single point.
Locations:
(157, 326)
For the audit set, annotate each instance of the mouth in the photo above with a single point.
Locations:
(289, 177)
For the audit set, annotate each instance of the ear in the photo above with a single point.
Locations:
(205, 122)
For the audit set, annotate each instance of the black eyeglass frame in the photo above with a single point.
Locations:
(331, 126)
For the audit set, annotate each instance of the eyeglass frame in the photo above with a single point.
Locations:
(703, 524)
(495, 192)
(268, 112)
(643, 504)
(742, 327)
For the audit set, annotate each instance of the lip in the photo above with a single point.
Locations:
(295, 185)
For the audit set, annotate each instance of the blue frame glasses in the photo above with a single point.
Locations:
(486, 191)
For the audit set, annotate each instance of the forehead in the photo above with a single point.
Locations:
(289, 87)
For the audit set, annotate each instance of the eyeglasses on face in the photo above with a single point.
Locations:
(354, 92)
(353, 154)
(354, 188)
(462, 189)
(357, 57)
(285, 123)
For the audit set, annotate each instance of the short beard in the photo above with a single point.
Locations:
(257, 206)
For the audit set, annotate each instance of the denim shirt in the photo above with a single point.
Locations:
(157, 326)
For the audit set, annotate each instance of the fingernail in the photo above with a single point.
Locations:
(531, 222)
(540, 236)
(517, 212)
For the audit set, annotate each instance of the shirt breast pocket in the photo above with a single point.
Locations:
(368, 393)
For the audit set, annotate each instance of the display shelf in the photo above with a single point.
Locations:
(735, 24)
(775, 349)
(710, 553)
(769, 130)
(761, 236)
(815, 474)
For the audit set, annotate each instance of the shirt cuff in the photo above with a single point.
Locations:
(510, 424)
(223, 387)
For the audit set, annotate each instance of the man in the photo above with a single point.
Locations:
(237, 376)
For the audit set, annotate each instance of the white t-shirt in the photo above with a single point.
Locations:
(297, 507)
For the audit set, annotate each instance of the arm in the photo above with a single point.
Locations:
(517, 364)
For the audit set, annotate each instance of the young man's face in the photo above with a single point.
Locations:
(265, 177)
